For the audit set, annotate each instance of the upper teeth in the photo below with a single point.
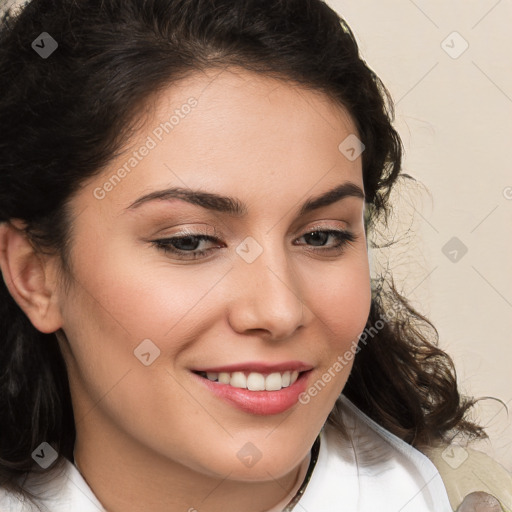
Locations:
(255, 381)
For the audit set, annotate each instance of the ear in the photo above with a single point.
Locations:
(30, 277)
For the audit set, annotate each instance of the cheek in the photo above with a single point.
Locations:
(340, 298)
(119, 307)
(124, 298)
(118, 304)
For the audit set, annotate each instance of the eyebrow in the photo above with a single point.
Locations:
(236, 208)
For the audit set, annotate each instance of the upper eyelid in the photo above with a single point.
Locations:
(218, 234)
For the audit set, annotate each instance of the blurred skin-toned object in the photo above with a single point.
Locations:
(476, 484)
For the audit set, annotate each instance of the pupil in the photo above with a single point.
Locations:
(190, 240)
(317, 233)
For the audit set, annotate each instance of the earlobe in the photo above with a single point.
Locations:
(29, 277)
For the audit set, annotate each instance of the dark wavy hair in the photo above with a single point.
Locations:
(64, 118)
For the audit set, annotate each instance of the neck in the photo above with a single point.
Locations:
(128, 477)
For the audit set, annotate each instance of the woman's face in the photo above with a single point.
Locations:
(273, 292)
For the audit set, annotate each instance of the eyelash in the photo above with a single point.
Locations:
(344, 238)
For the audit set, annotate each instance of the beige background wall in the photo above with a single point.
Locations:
(454, 114)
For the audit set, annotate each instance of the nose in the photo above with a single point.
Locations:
(267, 297)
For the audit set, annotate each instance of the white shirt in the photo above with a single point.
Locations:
(375, 471)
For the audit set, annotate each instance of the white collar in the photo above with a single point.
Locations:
(374, 471)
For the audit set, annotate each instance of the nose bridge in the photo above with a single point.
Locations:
(269, 295)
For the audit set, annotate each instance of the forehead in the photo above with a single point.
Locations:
(237, 129)
(246, 99)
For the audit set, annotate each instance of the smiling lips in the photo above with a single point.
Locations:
(257, 388)
(256, 376)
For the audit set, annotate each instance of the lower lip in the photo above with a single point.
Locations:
(259, 402)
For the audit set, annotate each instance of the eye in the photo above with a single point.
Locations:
(187, 247)
(319, 238)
